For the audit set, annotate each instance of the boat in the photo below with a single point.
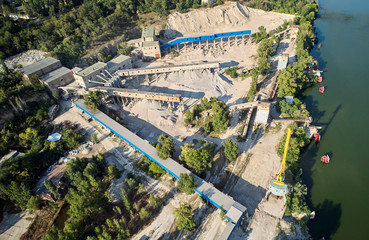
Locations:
(317, 137)
(321, 89)
(312, 215)
(325, 159)
(320, 79)
(319, 45)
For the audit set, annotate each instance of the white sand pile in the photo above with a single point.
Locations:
(154, 113)
(25, 58)
(196, 84)
(224, 18)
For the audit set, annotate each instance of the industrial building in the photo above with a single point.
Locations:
(148, 34)
(101, 71)
(151, 49)
(41, 67)
(90, 73)
(50, 71)
(59, 77)
(119, 63)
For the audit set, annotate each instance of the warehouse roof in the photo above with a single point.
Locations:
(34, 67)
(150, 44)
(148, 32)
(118, 60)
(51, 76)
(93, 68)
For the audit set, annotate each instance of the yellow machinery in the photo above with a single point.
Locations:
(277, 186)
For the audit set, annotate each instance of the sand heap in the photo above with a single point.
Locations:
(154, 113)
(196, 84)
(25, 58)
(224, 18)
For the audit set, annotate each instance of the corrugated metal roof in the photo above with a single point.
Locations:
(148, 31)
(262, 116)
(51, 76)
(34, 67)
(150, 44)
(118, 60)
(282, 64)
(93, 68)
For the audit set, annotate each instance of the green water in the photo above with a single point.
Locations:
(339, 192)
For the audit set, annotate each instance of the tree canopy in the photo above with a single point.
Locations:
(93, 99)
(185, 218)
(230, 149)
(198, 159)
(186, 184)
(165, 147)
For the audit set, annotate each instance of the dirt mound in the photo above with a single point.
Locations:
(225, 18)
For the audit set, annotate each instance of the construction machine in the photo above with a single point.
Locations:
(277, 186)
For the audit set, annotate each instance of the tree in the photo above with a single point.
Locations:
(220, 121)
(154, 201)
(186, 184)
(198, 159)
(189, 117)
(34, 203)
(165, 147)
(185, 218)
(230, 149)
(18, 194)
(52, 188)
(94, 138)
(113, 171)
(26, 138)
(93, 99)
(144, 213)
(155, 170)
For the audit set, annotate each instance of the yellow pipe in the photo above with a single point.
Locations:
(279, 178)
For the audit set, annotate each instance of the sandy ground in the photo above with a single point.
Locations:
(13, 226)
(25, 58)
(224, 18)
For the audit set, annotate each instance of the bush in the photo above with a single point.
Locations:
(230, 150)
(113, 171)
(94, 138)
(185, 218)
(34, 203)
(144, 213)
(186, 184)
(232, 72)
(165, 147)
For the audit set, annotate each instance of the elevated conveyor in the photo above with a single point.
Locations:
(234, 209)
(133, 93)
(167, 69)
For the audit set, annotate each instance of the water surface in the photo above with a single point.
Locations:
(339, 192)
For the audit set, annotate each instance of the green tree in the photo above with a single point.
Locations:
(198, 159)
(230, 149)
(26, 138)
(52, 188)
(113, 171)
(18, 193)
(165, 147)
(155, 170)
(220, 121)
(93, 99)
(34, 203)
(144, 213)
(185, 218)
(189, 117)
(186, 184)
(94, 138)
(154, 201)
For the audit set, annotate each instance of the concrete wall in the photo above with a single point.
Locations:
(151, 52)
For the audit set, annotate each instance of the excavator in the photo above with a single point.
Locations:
(277, 186)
